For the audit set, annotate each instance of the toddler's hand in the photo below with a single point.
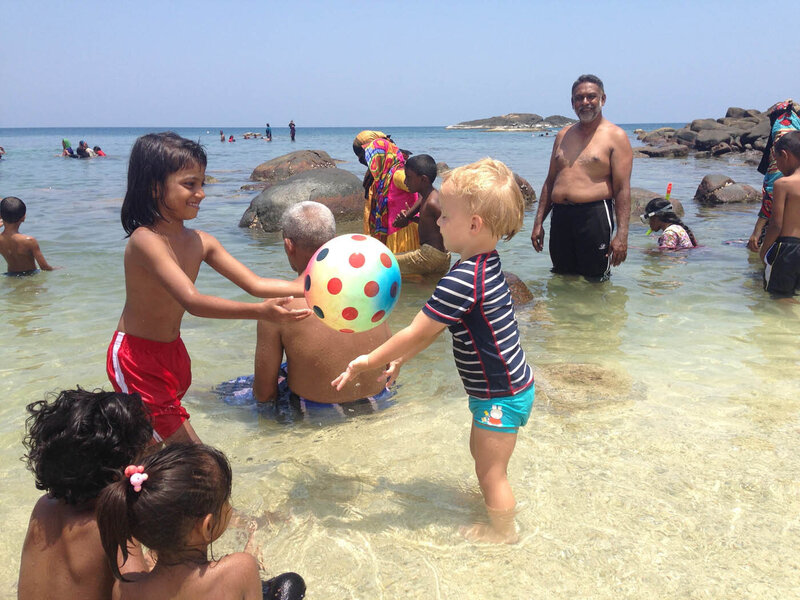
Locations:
(275, 309)
(358, 364)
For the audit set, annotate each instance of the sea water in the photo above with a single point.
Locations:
(660, 459)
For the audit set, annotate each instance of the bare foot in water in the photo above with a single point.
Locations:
(483, 532)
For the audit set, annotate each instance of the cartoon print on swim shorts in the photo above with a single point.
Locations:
(493, 417)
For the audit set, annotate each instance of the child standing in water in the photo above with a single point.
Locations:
(480, 203)
(146, 355)
(177, 503)
(22, 252)
(74, 444)
(659, 214)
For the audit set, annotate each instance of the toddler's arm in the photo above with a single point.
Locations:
(405, 344)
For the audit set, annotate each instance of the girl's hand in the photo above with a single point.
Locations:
(356, 365)
(275, 309)
(391, 372)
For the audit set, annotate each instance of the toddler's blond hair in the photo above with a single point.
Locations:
(492, 193)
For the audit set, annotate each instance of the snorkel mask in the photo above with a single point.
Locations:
(646, 216)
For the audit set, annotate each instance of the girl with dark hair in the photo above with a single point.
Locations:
(659, 214)
(75, 443)
(177, 503)
(166, 174)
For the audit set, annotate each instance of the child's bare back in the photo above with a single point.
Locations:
(790, 186)
(63, 542)
(21, 252)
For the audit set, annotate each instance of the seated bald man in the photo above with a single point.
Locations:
(315, 353)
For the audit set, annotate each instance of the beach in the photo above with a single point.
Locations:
(659, 461)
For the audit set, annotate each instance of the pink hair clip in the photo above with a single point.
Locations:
(137, 476)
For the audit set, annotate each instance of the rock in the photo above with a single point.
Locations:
(752, 112)
(735, 112)
(721, 189)
(520, 293)
(752, 157)
(721, 149)
(704, 124)
(702, 154)
(260, 186)
(638, 131)
(761, 130)
(442, 168)
(708, 138)
(209, 179)
(686, 136)
(528, 193)
(639, 199)
(669, 151)
(285, 166)
(339, 190)
(657, 137)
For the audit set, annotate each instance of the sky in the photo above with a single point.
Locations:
(401, 63)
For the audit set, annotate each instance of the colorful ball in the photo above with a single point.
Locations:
(352, 283)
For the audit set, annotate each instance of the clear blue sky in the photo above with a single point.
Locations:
(337, 63)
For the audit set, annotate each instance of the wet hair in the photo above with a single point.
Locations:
(491, 191)
(589, 79)
(657, 205)
(12, 209)
(185, 482)
(308, 224)
(96, 148)
(790, 142)
(154, 157)
(423, 164)
(76, 442)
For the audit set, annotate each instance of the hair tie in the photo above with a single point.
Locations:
(137, 476)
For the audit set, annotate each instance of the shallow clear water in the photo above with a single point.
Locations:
(660, 459)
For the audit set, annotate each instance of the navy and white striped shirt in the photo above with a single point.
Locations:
(474, 301)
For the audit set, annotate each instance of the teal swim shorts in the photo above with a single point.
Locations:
(506, 413)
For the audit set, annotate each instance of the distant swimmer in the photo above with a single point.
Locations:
(231, 139)
(587, 187)
(291, 129)
(22, 252)
(98, 151)
(268, 133)
(66, 149)
(221, 136)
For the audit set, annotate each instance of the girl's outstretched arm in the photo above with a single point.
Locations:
(229, 267)
(405, 344)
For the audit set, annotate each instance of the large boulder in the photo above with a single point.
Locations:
(685, 136)
(720, 189)
(703, 124)
(708, 138)
(761, 130)
(285, 166)
(339, 190)
(639, 199)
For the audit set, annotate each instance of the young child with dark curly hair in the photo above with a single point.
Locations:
(75, 445)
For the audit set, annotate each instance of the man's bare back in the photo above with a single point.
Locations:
(315, 354)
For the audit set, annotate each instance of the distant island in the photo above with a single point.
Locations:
(516, 122)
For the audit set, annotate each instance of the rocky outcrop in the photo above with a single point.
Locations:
(339, 190)
(740, 130)
(285, 166)
(668, 151)
(717, 189)
(639, 199)
(515, 122)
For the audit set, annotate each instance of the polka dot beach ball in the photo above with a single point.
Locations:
(352, 283)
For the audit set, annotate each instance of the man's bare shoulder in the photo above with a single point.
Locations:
(614, 132)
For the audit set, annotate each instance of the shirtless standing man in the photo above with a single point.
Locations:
(587, 186)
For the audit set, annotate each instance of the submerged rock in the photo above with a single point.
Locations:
(570, 388)
(339, 190)
(520, 293)
(528, 193)
(285, 166)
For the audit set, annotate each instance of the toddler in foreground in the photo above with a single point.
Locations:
(74, 446)
(480, 204)
(177, 503)
(166, 174)
(21, 251)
